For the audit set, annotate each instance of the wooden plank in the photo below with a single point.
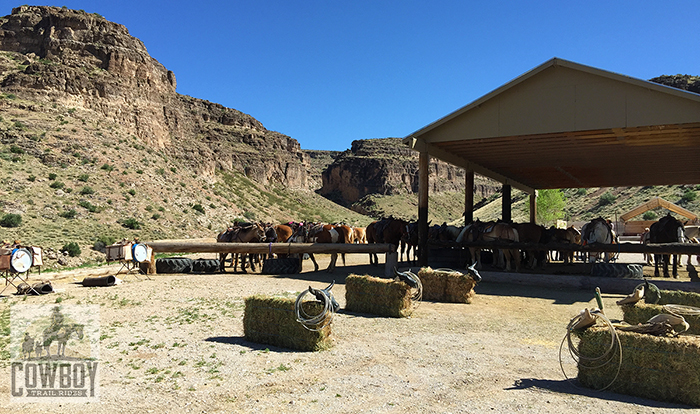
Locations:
(667, 248)
(170, 246)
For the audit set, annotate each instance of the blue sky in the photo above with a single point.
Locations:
(329, 72)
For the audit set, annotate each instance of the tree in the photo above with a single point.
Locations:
(550, 206)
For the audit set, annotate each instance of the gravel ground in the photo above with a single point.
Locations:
(175, 344)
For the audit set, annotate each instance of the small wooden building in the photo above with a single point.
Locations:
(633, 227)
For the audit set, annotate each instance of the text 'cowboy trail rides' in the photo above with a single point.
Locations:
(55, 353)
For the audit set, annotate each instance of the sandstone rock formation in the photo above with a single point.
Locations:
(387, 167)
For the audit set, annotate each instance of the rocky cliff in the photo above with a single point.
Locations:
(68, 58)
(387, 167)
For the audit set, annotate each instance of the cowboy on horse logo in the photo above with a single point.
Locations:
(55, 352)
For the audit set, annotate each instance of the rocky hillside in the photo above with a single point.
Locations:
(61, 59)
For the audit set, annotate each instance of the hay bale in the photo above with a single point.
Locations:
(642, 312)
(446, 285)
(272, 320)
(384, 297)
(658, 368)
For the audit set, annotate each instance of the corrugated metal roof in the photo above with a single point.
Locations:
(566, 125)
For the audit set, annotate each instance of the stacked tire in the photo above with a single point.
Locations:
(618, 270)
(205, 266)
(174, 265)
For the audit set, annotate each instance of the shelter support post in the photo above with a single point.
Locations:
(423, 161)
(468, 197)
(505, 204)
(533, 207)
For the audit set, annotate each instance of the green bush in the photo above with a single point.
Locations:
(107, 167)
(83, 177)
(70, 214)
(198, 208)
(56, 184)
(131, 223)
(16, 150)
(72, 248)
(52, 176)
(102, 242)
(607, 198)
(89, 206)
(87, 190)
(132, 191)
(32, 178)
(11, 220)
(689, 195)
(649, 215)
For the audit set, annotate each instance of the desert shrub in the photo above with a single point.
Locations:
(72, 248)
(16, 150)
(131, 223)
(89, 206)
(87, 190)
(52, 176)
(56, 184)
(11, 220)
(689, 195)
(132, 191)
(649, 215)
(69, 214)
(155, 216)
(607, 198)
(102, 242)
(107, 167)
(32, 178)
(198, 208)
(83, 177)
(139, 171)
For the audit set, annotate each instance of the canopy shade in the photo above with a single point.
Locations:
(566, 125)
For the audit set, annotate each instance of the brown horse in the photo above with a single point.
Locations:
(388, 230)
(240, 233)
(532, 233)
(498, 232)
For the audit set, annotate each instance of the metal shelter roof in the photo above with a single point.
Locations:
(567, 125)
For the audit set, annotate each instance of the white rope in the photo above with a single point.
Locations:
(310, 322)
(681, 309)
(592, 362)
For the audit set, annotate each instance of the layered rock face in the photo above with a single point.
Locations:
(81, 60)
(386, 166)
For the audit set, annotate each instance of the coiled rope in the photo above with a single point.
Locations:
(412, 280)
(600, 361)
(681, 309)
(316, 322)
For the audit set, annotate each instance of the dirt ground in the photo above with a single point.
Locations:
(175, 343)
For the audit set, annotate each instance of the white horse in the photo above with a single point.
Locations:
(597, 231)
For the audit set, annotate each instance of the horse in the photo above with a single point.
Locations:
(360, 235)
(565, 236)
(246, 233)
(597, 231)
(667, 230)
(532, 233)
(27, 346)
(503, 232)
(388, 230)
(692, 234)
(410, 238)
(61, 335)
(329, 233)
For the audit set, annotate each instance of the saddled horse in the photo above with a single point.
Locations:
(597, 231)
(61, 335)
(667, 230)
(240, 233)
(389, 230)
(329, 233)
(491, 231)
(565, 236)
(532, 233)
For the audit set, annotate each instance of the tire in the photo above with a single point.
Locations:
(285, 266)
(618, 270)
(174, 265)
(205, 266)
